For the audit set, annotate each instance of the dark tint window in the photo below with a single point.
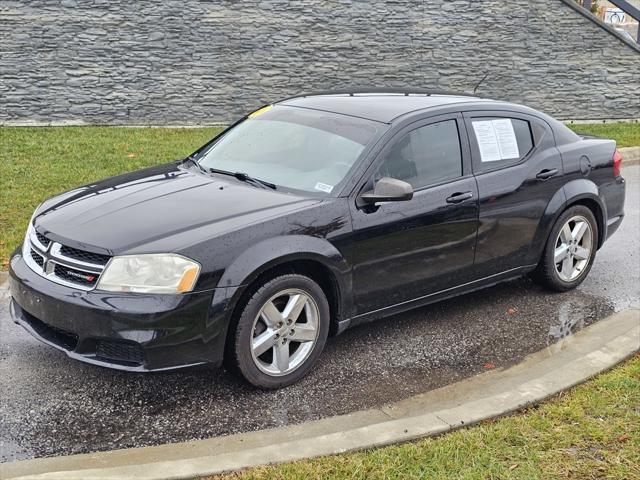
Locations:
(522, 130)
(425, 156)
(501, 142)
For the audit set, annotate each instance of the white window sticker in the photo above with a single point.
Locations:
(506, 138)
(496, 139)
(323, 187)
(487, 141)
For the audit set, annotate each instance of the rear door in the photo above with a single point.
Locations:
(518, 169)
(405, 250)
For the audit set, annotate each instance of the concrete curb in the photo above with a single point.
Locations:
(630, 155)
(488, 395)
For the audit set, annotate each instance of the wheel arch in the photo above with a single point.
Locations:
(585, 192)
(310, 256)
(577, 192)
(596, 208)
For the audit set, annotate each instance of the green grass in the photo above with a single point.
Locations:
(590, 432)
(626, 134)
(38, 162)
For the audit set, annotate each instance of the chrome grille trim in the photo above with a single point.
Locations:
(51, 257)
(33, 238)
(72, 262)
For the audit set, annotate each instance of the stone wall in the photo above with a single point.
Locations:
(203, 62)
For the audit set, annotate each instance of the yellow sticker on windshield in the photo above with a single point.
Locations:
(260, 111)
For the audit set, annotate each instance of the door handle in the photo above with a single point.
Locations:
(546, 173)
(459, 197)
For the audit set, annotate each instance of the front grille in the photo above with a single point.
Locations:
(43, 240)
(63, 264)
(73, 275)
(120, 351)
(84, 256)
(39, 259)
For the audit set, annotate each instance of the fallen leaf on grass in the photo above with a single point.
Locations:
(624, 438)
(131, 155)
(513, 467)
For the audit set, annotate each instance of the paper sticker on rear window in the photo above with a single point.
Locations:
(323, 187)
(496, 139)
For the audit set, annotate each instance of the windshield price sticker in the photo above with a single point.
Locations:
(323, 187)
(496, 140)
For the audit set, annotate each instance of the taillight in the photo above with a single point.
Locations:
(617, 163)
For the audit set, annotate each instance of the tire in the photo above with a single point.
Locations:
(569, 247)
(265, 334)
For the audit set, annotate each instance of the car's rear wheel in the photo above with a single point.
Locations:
(570, 250)
(281, 331)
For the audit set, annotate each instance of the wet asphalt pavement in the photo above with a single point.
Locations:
(52, 405)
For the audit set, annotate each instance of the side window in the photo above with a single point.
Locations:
(500, 142)
(425, 156)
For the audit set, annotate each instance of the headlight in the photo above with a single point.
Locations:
(153, 273)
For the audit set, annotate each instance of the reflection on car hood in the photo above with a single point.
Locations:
(120, 213)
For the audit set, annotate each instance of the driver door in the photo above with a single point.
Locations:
(405, 250)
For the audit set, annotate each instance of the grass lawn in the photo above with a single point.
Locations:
(37, 162)
(590, 432)
(626, 134)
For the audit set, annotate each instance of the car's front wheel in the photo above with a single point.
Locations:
(281, 331)
(570, 250)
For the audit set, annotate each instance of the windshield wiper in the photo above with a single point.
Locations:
(245, 177)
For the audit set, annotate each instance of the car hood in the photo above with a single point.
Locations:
(124, 212)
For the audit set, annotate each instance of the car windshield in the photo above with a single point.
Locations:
(292, 147)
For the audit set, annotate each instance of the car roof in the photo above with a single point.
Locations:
(381, 107)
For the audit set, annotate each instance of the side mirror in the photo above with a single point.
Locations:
(388, 190)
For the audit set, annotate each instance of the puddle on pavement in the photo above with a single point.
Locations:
(93, 409)
(572, 317)
(511, 334)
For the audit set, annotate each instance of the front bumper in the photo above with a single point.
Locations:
(135, 332)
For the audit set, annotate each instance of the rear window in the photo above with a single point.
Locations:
(500, 141)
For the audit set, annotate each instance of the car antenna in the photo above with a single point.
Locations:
(480, 83)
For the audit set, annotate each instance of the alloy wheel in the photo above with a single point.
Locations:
(574, 247)
(285, 332)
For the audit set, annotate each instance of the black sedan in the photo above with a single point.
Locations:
(306, 217)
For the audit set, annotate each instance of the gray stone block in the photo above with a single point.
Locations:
(198, 62)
